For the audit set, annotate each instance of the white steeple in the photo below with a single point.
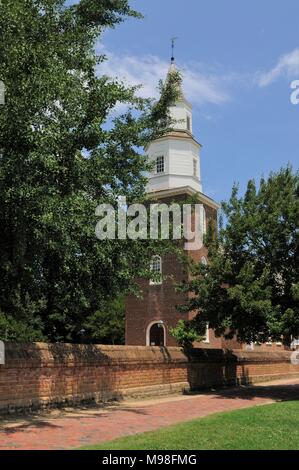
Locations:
(176, 156)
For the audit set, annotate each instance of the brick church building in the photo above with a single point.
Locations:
(176, 176)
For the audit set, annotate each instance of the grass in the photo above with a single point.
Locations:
(267, 427)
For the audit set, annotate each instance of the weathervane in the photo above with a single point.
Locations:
(172, 48)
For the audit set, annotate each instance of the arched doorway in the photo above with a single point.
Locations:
(155, 334)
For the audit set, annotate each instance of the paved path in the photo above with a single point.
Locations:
(74, 428)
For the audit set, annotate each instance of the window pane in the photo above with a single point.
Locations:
(156, 264)
(160, 164)
(156, 268)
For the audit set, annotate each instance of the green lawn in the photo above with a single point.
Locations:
(274, 426)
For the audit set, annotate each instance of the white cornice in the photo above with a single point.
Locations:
(186, 190)
(177, 137)
(160, 175)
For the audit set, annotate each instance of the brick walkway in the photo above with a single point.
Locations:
(74, 428)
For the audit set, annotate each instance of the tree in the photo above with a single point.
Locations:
(251, 286)
(107, 326)
(63, 152)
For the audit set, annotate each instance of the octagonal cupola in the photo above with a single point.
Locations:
(176, 156)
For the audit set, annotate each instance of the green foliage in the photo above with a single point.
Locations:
(107, 325)
(185, 334)
(64, 150)
(13, 330)
(250, 287)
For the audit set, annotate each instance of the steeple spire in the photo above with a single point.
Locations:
(173, 69)
(172, 49)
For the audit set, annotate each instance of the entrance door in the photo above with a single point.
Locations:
(156, 335)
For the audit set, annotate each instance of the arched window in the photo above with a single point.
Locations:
(156, 334)
(156, 268)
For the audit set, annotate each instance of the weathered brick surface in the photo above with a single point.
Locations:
(159, 302)
(39, 374)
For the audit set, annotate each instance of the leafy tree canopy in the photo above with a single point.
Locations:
(106, 326)
(64, 150)
(251, 286)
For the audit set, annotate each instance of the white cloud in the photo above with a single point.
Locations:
(200, 87)
(287, 66)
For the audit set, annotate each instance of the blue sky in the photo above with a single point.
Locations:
(238, 60)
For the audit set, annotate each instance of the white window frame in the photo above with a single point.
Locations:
(156, 282)
(148, 329)
(207, 338)
(160, 163)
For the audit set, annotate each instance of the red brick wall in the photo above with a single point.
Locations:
(159, 302)
(40, 374)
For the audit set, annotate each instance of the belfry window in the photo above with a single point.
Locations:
(156, 268)
(194, 167)
(160, 166)
(188, 123)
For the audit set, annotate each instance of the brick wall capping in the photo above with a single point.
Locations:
(237, 356)
(75, 354)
